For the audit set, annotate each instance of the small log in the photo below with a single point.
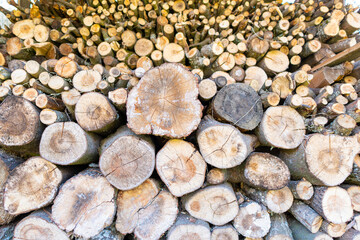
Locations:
(306, 216)
(58, 84)
(301, 189)
(44, 101)
(279, 228)
(252, 220)
(118, 97)
(351, 22)
(217, 176)
(85, 204)
(20, 125)
(354, 194)
(67, 144)
(33, 68)
(222, 145)
(299, 232)
(281, 127)
(255, 77)
(20, 76)
(343, 125)
(127, 159)
(174, 104)
(350, 234)
(143, 47)
(25, 189)
(224, 232)
(66, 67)
(215, 204)
(95, 113)
(354, 177)
(70, 98)
(16, 49)
(173, 53)
(187, 227)
(322, 159)
(266, 171)
(49, 116)
(334, 230)
(86, 80)
(181, 167)
(333, 204)
(39, 225)
(274, 62)
(238, 73)
(207, 89)
(343, 45)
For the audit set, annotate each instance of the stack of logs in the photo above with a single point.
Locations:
(196, 119)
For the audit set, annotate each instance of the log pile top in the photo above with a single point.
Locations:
(196, 119)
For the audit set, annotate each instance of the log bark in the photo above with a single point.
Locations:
(354, 194)
(187, 227)
(301, 189)
(127, 159)
(334, 230)
(307, 216)
(181, 167)
(322, 159)
(299, 232)
(49, 116)
(68, 144)
(222, 145)
(350, 234)
(215, 204)
(176, 113)
(279, 228)
(238, 104)
(85, 204)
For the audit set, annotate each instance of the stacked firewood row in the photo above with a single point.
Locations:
(193, 119)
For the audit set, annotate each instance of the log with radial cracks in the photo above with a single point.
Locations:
(181, 167)
(165, 102)
(85, 204)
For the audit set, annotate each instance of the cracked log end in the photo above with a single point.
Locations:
(85, 204)
(165, 103)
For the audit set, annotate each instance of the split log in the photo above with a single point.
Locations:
(334, 230)
(301, 189)
(322, 159)
(279, 228)
(187, 227)
(39, 225)
(307, 216)
(238, 104)
(299, 232)
(67, 144)
(31, 185)
(215, 204)
(127, 159)
(224, 232)
(176, 113)
(85, 204)
(281, 127)
(252, 220)
(20, 125)
(95, 113)
(333, 204)
(181, 167)
(278, 201)
(263, 170)
(86, 80)
(223, 145)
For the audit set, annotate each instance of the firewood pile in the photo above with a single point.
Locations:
(196, 119)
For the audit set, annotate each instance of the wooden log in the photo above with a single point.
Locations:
(16, 49)
(20, 125)
(187, 227)
(322, 159)
(283, 85)
(44, 101)
(301, 189)
(279, 228)
(255, 77)
(353, 192)
(278, 201)
(95, 113)
(333, 204)
(70, 98)
(281, 127)
(343, 45)
(24, 29)
(238, 104)
(263, 170)
(351, 22)
(39, 225)
(127, 159)
(299, 232)
(175, 103)
(49, 116)
(270, 99)
(334, 230)
(307, 216)
(224, 232)
(7, 231)
(85, 204)
(25, 189)
(350, 234)
(118, 97)
(33, 68)
(215, 204)
(252, 220)
(238, 73)
(143, 47)
(207, 89)
(222, 145)
(66, 67)
(20, 76)
(274, 62)
(343, 125)
(86, 80)
(181, 167)
(67, 144)
(109, 233)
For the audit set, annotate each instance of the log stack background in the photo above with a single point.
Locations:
(180, 120)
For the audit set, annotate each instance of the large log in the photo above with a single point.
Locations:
(175, 113)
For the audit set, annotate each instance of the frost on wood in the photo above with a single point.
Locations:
(165, 103)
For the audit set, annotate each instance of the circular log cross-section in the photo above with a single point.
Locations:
(31, 185)
(165, 103)
(86, 80)
(238, 104)
(85, 204)
(66, 67)
(39, 226)
(187, 227)
(127, 160)
(95, 113)
(67, 143)
(215, 204)
(20, 126)
(226, 232)
(281, 127)
(181, 167)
